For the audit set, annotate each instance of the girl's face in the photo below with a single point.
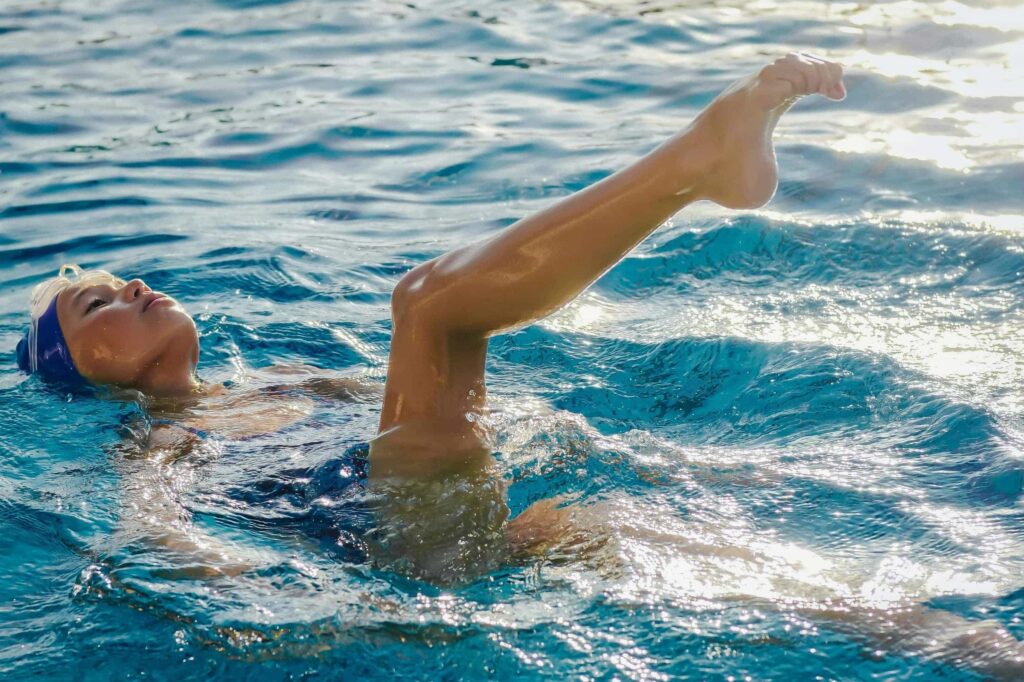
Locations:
(127, 335)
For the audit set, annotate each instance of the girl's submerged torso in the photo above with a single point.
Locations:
(427, 500)
(327, 503)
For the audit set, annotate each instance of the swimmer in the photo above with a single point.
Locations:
(442, 503)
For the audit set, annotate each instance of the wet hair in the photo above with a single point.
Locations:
(44, 293)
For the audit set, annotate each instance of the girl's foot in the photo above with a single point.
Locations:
(739, 123)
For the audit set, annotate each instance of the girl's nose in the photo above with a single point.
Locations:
(133, 289)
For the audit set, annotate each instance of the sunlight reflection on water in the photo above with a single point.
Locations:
(768, 412)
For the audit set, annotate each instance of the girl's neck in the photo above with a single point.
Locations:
(173, 374)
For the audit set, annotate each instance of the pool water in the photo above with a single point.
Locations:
(821, 399)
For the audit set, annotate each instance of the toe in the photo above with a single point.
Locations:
(834, 87)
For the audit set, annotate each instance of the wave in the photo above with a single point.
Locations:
(754, 252)
(731, 390)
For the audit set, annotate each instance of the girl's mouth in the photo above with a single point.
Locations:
(153, 299)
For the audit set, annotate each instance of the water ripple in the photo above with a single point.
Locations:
(761, 411)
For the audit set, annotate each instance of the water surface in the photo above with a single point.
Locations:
(819, 398)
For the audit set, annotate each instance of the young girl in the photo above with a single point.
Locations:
(439, 509)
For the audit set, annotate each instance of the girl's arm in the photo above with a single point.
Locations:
(321, 383)
(154, 515)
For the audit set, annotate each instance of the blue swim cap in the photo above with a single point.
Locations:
(44, 350)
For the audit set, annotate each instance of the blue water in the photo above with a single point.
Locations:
(819, 398)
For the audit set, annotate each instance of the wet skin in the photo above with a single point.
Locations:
(432, 458)
(442, 502)
(432, 425)
(445, 310)
(131, 336)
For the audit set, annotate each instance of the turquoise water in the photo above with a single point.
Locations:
(820, 398)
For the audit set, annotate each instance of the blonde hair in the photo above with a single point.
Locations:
(44, 293)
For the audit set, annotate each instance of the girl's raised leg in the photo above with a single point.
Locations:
(445, 309)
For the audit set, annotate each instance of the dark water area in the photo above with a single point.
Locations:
(817, 400)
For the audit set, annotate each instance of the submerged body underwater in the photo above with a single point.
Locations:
(770, 415)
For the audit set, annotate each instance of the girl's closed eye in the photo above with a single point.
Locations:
(96, 303)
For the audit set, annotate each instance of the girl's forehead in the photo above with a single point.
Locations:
(78, 287)
(99, 279)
